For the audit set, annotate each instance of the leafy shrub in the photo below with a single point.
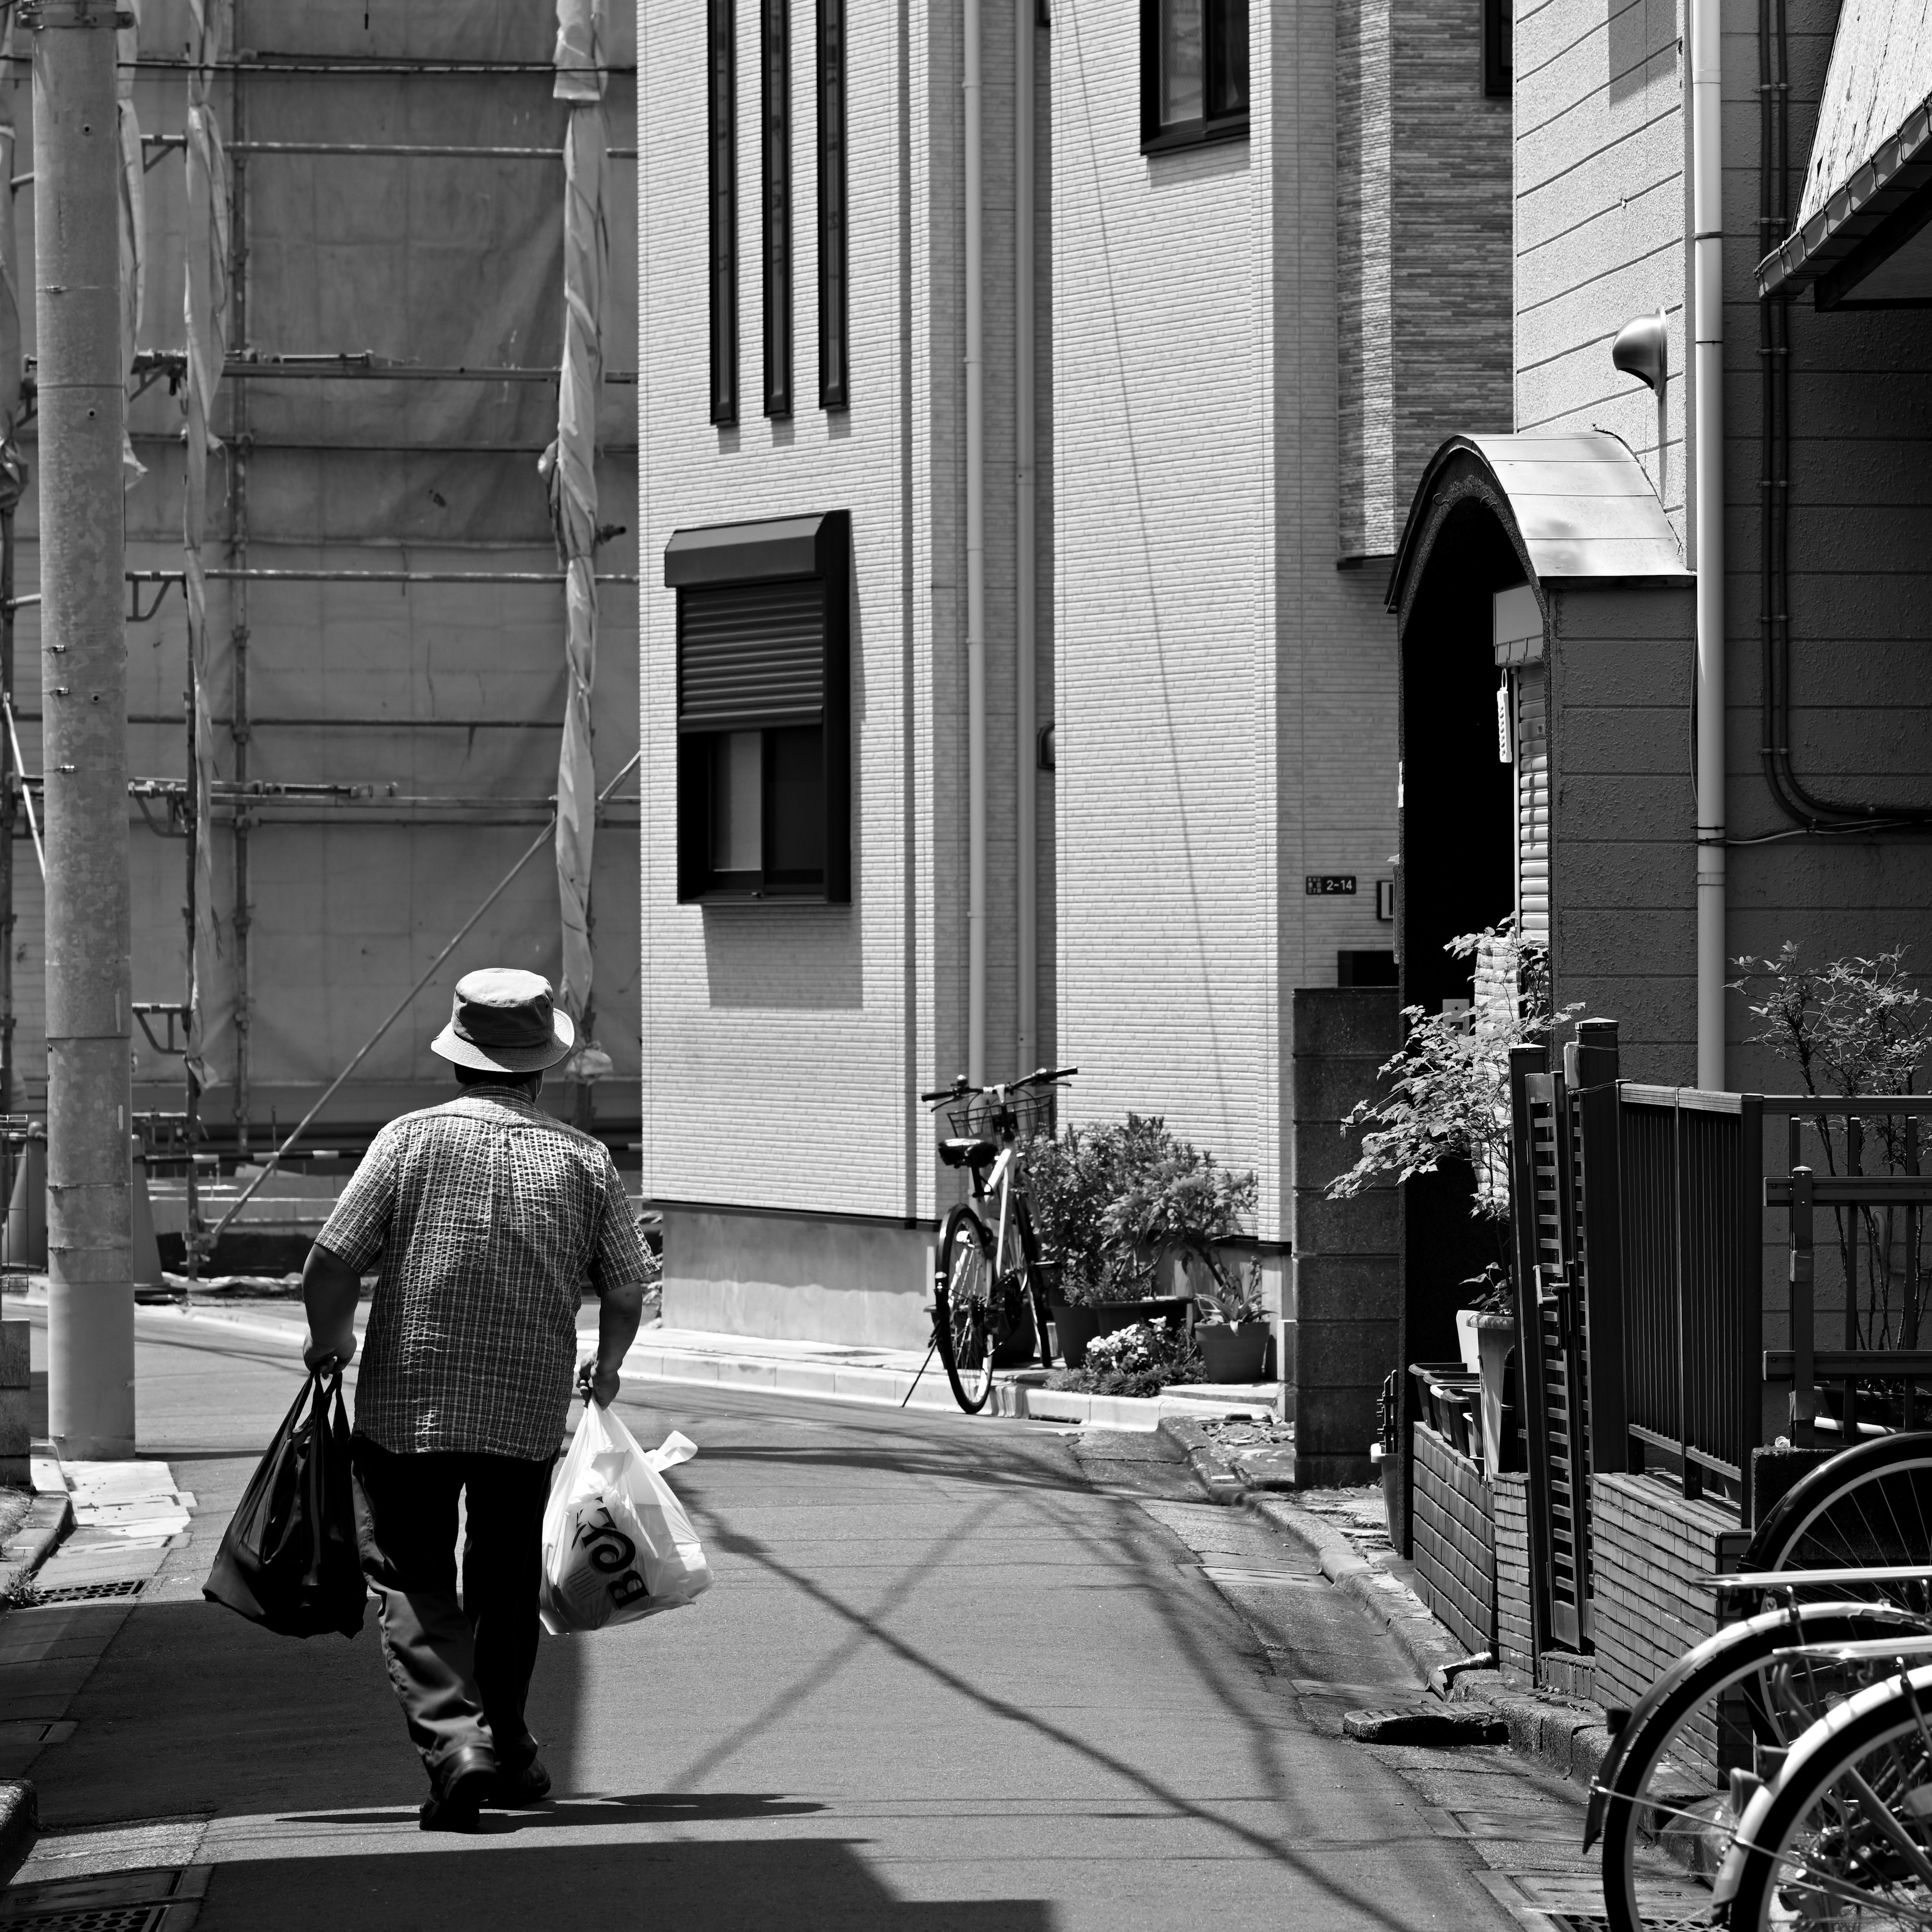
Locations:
(1140, 1360)
(1105, 1198)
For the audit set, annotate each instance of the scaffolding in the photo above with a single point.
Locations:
(235, 402)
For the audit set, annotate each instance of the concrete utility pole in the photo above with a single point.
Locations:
(84, 672)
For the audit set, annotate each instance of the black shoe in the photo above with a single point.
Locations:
(516, 1790)
(464, 1781)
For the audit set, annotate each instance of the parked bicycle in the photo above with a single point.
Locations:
(1831, 1822)
(989, 1291)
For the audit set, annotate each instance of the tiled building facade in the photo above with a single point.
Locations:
(1215, 660)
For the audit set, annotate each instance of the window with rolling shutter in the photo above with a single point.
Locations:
(1532, 806)
(763, 709)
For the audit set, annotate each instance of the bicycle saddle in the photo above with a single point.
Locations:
(968, 1153)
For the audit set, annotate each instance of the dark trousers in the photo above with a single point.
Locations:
(461, 1669)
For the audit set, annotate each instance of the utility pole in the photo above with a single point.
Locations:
(84, 705)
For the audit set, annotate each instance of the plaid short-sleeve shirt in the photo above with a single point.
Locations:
(488, 1216)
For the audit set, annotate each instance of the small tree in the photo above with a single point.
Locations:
(1448, 1102)
(1855, 1028)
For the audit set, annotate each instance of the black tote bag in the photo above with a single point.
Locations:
(288, 1560)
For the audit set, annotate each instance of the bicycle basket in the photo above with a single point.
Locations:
(989, 1117)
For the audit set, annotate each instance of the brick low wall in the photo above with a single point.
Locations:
(1515, 1644)
(1455, 1539)
(1649, 1548)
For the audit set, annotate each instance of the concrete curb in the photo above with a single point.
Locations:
(48, 1521)
(1569, 1736)
(20, 1825)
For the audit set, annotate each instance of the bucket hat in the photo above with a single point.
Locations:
(503, 1020)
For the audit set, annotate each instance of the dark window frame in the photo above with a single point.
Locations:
(721, 91)
(775, 155)
(834, 339)
(782, 551)
(1498, 51)
(1158, 137)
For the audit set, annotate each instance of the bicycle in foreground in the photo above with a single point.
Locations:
(989, 1289)
(1830, 1676)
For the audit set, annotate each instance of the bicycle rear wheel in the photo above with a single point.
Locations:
(1844, 1836)
(1868, 1506)
(963, 1302)
(1664, 1815)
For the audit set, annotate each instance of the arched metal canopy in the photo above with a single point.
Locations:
(1579, 508)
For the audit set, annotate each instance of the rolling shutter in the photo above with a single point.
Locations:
(751, 656)
(1532, 806)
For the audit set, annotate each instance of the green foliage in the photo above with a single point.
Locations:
(1140, 1360)
(1858, 1027)
(1104, 1199)
(1447, 1101)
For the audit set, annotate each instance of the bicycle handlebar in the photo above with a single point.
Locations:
(960, 1090)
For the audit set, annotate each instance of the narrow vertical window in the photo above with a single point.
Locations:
(835, 388)
(776, 39)
(722, 64)
(1496, 56)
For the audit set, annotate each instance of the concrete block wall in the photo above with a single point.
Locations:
(1455, 1539)
(1516, 1645)
(1623, 856)
(1346, 1275)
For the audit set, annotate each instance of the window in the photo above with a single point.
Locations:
(1496, 54)
(775, 67)
(834, 391)
(764, 709)
(1194, 72)
(722, 82)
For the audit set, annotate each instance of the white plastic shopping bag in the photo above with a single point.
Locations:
(617, 1543)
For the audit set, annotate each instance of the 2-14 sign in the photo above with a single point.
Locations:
(1324, 885)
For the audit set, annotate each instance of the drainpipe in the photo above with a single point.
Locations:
(976, 564)
(1708, 446)
(1026, 763)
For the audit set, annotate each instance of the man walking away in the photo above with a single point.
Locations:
(488, 1217)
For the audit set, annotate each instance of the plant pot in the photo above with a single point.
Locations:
(1075, 1325)
(1237, 1354)
(1466, 1319)
(1495, 1336)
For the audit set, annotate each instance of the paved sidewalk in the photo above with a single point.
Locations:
(832, 1372)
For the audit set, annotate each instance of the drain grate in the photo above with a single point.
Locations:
(88, 1593)
(98, 1919)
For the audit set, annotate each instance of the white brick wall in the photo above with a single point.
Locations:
(1226, 697)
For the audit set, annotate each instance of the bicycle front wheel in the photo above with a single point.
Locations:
(963, 1318)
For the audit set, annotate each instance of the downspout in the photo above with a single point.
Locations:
(1708, 315)
(976, 563)
(1026, 764)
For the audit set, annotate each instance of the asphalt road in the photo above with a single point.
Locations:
(952, 1674)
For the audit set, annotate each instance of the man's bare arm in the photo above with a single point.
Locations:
(618, 1314)
(331, 1289)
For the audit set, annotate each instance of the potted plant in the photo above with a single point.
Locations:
(1231, 1326)
(1107, 1202)
(1140, 1359)
(1447, 1104)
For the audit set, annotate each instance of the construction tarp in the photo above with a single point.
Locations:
(426, 720)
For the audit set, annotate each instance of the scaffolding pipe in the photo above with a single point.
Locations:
(77, 164)
(394, 150)
(368, 1046)
(549, 576)
(26, 796)
(1026, 685)
(976, 555)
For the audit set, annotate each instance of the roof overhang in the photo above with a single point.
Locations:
(1868, 183)
(1579, 508)
(1864, 246)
